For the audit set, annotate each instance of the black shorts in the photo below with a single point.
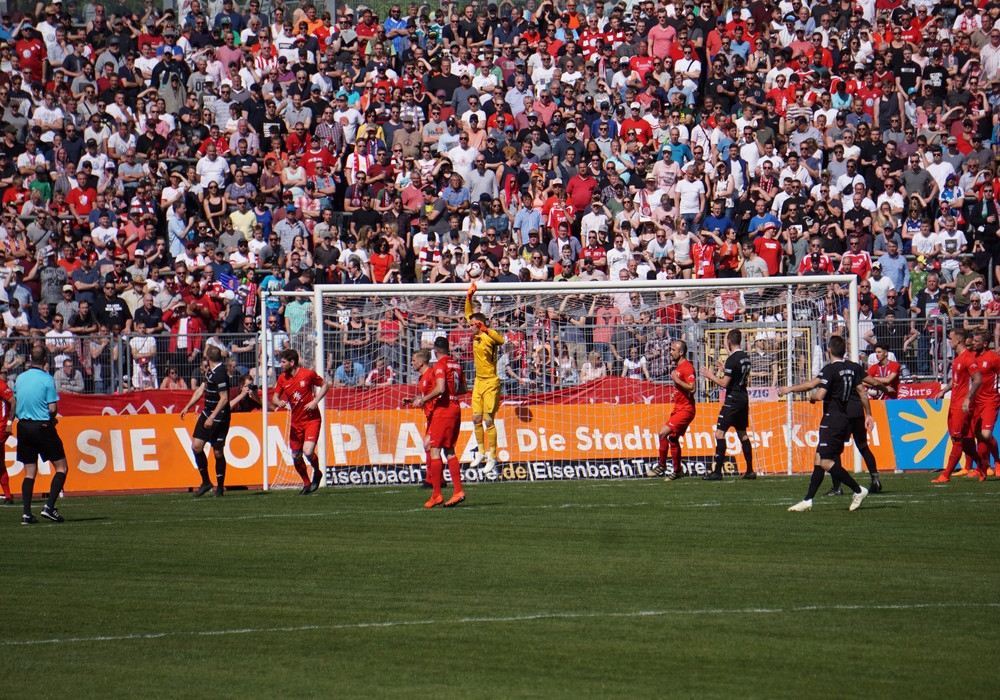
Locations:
(834, 430)
(215, 435)
(38, 438)
(734, 414)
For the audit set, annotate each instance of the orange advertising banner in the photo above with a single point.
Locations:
(153, 452)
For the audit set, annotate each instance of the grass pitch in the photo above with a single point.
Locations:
(641, 588)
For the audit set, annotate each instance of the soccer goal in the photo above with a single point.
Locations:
(585, 371)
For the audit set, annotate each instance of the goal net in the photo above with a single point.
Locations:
(585, 372)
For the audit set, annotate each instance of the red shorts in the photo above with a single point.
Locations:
(984, 415)
(301, 433)
(680, 420)
(443, 427)
(959, 423)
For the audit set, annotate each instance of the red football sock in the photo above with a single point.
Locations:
(957, 447)
(434, 473)
(5, 481)
(300, 467)
(969, 447)
(455, 470)
(675, 456)
(664, 447)
(993, 451)
(983, 452)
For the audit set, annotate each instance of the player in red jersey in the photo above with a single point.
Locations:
(682, 414)
(439, 386)
(6, 418)
(886, 373)
(964, 382)
(295, 390)
(985, 402)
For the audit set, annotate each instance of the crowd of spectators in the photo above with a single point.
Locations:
(158, 168)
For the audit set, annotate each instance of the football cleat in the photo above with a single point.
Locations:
(219, 492)
(750, 475)
(835, 492)
(477, 460)
(306, 490)
(202, 490)
(490, 470)
(941, 480)
(654, 471)
(961, 472)
(675, 475)
(712, 476)
(7, 502)
(52, 514)
(876, 486)
(455, 500)
(858, 499)
(802, 506)
(435, 501)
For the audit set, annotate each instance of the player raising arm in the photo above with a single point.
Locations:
(486, 344)
(439, 385)
(295, 390)
(681, 415)
(965, 381)
(837, 381)
(735, 412)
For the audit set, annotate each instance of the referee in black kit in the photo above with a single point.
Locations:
(36, 404)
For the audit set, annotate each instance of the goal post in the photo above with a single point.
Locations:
(584, 379)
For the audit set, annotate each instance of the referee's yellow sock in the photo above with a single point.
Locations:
(480, 437)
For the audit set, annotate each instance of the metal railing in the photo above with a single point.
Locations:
(539, 357)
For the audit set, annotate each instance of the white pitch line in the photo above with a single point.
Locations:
(748, 501)
(529, 617)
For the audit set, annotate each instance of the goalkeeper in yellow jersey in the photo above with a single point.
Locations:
(486, 346)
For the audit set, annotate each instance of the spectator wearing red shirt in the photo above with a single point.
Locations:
(769, 248)
(703, 255)
(886, 373)
(643, 131)
(856, 261)
(816, 248)
(31, 50)
(80, 199)
(594, 251)
(581, 187)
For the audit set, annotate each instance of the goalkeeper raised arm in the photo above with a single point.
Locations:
(486, 345)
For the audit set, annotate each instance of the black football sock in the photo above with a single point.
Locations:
(220, 471)
(869, 458)
(748, 454)
(27, 489)
(846, 479)
(720, 454)
(815, 481)
(57, 486)
(202, 461)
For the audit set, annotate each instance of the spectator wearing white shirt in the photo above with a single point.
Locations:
(212, 167)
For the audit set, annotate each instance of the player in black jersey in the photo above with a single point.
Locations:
(735, 412)
(859, 422)
(213, 423)
(837, 381)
